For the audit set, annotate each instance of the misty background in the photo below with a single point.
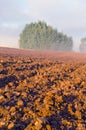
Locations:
(67, 16)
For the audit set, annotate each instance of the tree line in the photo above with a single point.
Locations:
(83, 45)
(41, 36)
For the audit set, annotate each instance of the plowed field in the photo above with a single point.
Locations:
(42, 90)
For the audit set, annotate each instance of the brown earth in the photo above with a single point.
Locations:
(61, 56)
(42, 90)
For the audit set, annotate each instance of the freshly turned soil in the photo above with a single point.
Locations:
(42, 90)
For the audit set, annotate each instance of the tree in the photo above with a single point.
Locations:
(83, 45)
(42, 36)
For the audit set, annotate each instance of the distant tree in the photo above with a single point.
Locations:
(83, 45)
(42, 36)
(63, 43)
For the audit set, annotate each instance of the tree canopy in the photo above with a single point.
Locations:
(83, 45)
(42, 36)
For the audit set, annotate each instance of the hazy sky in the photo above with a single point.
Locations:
(68, 16)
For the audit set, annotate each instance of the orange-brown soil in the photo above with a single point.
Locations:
(42, 90)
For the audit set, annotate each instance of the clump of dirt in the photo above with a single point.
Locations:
(42, 94)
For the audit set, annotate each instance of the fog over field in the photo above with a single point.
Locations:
(9, 42)
(67, 16)
(42, 64)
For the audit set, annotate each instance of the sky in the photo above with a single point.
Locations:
(67, 16)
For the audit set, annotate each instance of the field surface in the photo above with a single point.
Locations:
(42, 90)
